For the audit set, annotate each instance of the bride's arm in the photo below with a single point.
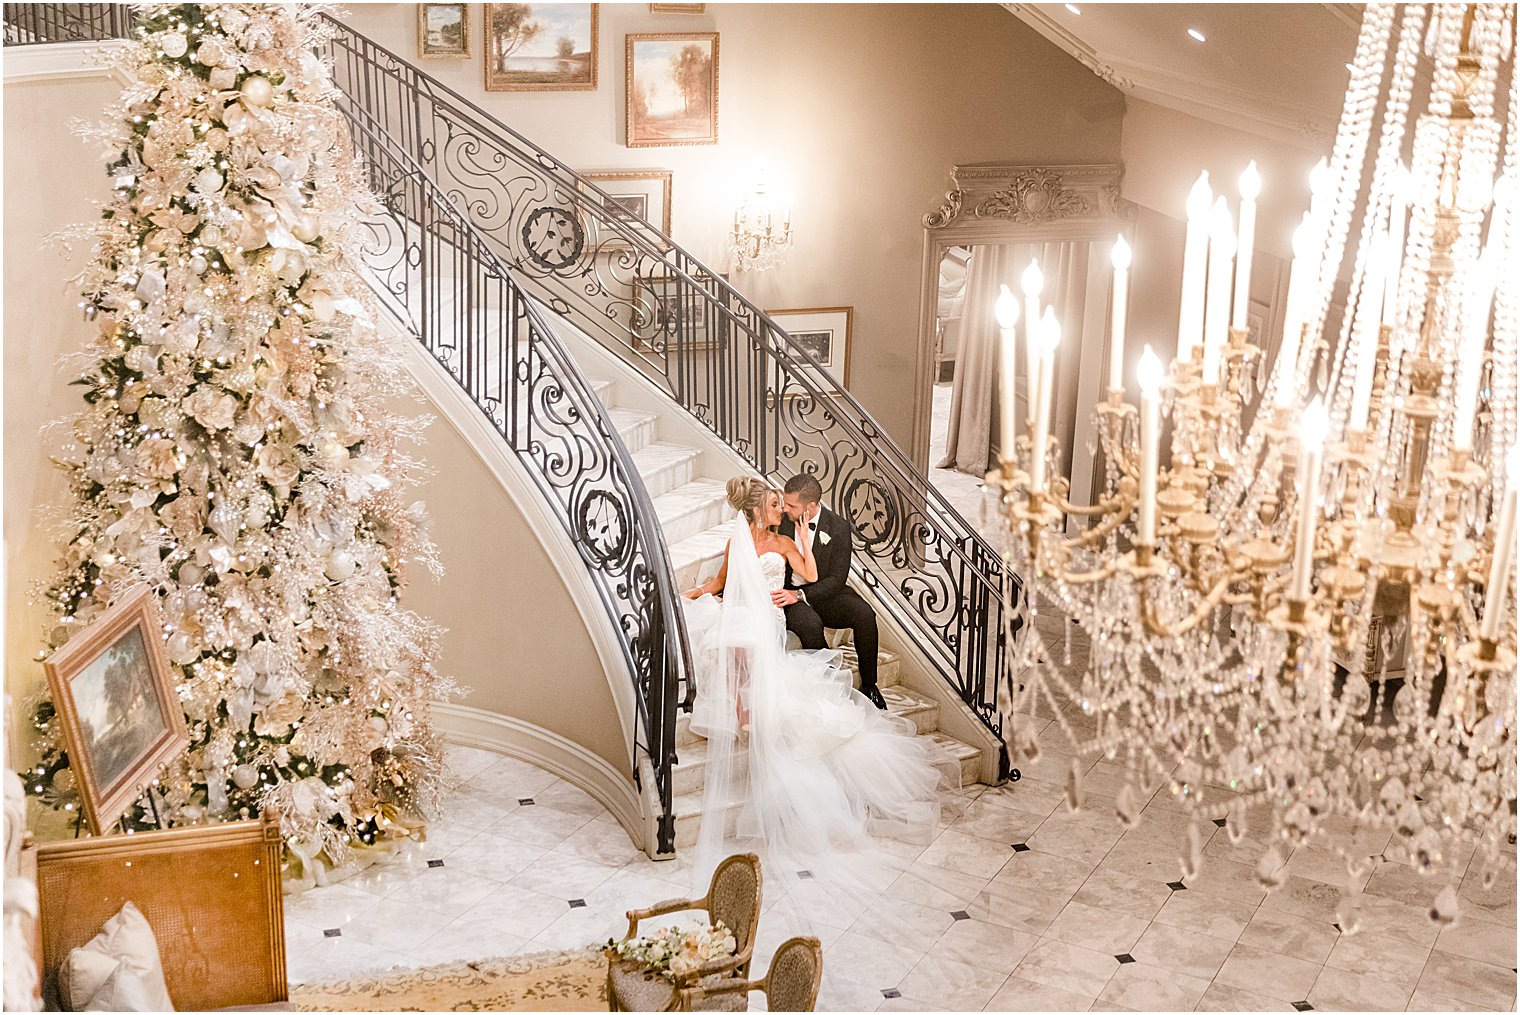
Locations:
(800, 556)
(713, 586)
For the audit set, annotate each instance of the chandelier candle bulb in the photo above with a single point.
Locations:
(1497, 593)
(1149, 375)
(1216, 319)
(1007, 312)
(1469, 366)
(1363, 353)
(1299, 284)
(1250, 188)
(1050, 337)
(1121, 257)
(1398, 213)
(1195, 255)
(1032, 283)
(1311, 441)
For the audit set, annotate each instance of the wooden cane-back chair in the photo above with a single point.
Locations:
(791, 983)
(733, 896)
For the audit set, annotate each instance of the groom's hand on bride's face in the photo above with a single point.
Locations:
(784, 597)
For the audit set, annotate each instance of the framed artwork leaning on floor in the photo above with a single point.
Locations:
(115, 698)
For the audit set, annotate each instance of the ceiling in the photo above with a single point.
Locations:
(1271, 68)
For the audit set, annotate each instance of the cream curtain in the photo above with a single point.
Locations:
(975, 402)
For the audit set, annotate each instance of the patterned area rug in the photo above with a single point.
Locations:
(548, 981)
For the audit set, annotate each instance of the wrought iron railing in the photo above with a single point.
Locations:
(638, 294)
(30, 24)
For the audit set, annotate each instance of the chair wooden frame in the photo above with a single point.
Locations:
(210, 892)
(736, 965)
(694, 995)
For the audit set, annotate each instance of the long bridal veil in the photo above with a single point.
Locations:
(801, 769)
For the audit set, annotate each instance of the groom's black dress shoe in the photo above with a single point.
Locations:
(874, 697)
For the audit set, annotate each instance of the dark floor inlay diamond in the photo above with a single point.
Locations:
(333, 932)
(960, 914)
(1125, 959)
(891, 992)
(577, 903)
(526, 801)
(435, 863)
(1176, 886)
(804, 875)
(1302, 1006)
(1019, 847)
(1219, 822)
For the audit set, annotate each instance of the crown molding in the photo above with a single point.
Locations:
(61, 60)
(1228, 106)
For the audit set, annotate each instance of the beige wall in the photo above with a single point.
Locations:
(859, 110)
(500, 594)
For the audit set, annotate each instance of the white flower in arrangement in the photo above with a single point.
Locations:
(212, 409)
(674, 952)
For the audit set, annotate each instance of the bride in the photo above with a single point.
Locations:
(801, 767)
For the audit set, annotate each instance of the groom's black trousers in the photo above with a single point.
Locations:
(844, 610)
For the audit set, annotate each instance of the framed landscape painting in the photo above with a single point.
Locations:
(824, 333)
(541, 47)
(677, 8)
(637, 194)
(115, 698)
(671, 89)
(443, 30)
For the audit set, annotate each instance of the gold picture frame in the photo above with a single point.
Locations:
(640, 193)
(677, 8)
(434, 32)
(654, 81)
(510, 27)
(825, 332)
(657, 298)
(115, 698)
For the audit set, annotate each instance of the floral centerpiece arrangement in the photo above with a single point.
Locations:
(675, 951)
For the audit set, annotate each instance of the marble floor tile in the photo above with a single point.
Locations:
(518, 910)
(965, 854)
(838, 994)
(1485, 942)
(1222, 998)
(332, 906)
(1228, 880)
(1319, 864)
(538, 825)
(1048, 872)
(869, 961)
(1019, 994)
(562, 874)
(1068, 967)
(334, 958)
(1285, 934)
(1314, 901)
(1140, 986)
(394, 926)
(464, 762)
(1030, 796)
(599, 843)
(1260, 972)
(1394, 960)
(998, 822)
(952, 985)
(465, 941)
(512, 779)
(903, 923)
(1009, 905)
(563, 796)
(1101, 929)
(936, 888)
(492, 856)
(1347, 990)
(1086, 842)
(575, 928)
(385, 876)
(1493, 903)
(1144, 858)
(1185, 951)
(996, 947)
(1401, 883)
(446, 890)
(1424, 1001)
(1469, 980)
(1205, 914)
(1123, 893)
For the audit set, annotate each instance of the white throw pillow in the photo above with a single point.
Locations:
(118, 970)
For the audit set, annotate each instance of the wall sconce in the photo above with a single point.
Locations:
(756, 242)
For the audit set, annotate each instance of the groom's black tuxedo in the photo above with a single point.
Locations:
(829, 601)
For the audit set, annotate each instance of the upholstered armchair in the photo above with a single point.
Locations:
(733, 896)
(791, 983)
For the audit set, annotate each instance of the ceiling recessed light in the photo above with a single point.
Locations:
(1197, 35)
(1074, 8)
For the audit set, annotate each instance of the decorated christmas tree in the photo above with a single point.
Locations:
(236, 451)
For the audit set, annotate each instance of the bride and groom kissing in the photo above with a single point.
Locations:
(800, 767)
(794, 523)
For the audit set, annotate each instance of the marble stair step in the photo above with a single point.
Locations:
(689, 555)
(967, 756)
(691, 508)
(909, 704)
(664, 467)
(635, 428)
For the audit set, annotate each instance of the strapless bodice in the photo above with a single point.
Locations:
(773, 566)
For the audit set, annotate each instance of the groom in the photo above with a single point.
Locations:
(829, 601)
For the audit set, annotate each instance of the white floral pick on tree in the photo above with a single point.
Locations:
(236, 452)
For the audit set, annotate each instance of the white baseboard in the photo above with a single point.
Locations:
(614, 790)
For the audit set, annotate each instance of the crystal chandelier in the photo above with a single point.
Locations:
(1318, 527)
(755, 243)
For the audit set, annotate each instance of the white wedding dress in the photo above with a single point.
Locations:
(801, 768)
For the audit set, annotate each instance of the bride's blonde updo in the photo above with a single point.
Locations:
(747, 494)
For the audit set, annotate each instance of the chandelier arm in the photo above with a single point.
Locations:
(1200, 613)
